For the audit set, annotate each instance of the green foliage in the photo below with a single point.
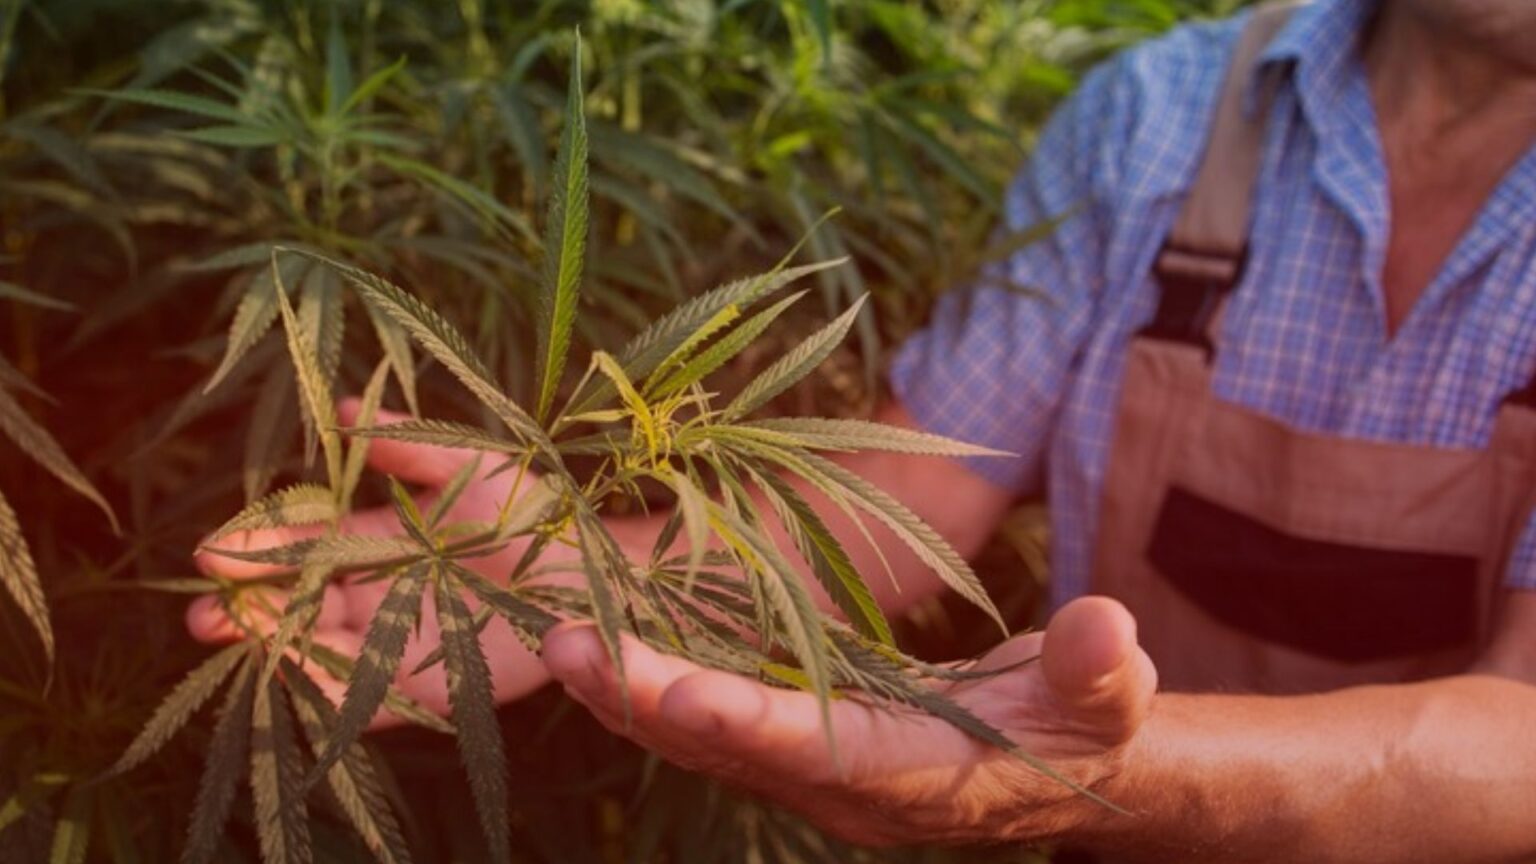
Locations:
(153, 159)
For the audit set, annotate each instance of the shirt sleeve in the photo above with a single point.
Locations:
(991, 366)
(1521, 573)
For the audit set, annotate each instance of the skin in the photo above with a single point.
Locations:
(1442, 771)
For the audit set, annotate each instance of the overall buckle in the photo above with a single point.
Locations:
(1192, 283)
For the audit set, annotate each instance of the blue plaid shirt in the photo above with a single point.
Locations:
(1037, 371)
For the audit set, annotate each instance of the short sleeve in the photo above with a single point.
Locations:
(992, 365)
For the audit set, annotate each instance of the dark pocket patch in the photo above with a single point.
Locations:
(1347, 603)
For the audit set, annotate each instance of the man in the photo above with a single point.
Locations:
(1280, 439)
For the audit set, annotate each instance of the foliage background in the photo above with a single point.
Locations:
(721, 129)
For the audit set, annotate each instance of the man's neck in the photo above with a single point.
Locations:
(1432, 85)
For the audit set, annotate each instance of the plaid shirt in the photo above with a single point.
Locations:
(1303, 339)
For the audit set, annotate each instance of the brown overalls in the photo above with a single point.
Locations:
(1257, 557)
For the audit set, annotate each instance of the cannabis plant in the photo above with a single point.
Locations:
(730, 598)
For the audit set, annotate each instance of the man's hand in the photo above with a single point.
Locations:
(899, 776)
(349, 604)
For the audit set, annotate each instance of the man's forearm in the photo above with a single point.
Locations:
(1441, 771)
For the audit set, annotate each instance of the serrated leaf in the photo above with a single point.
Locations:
(726, 348)
(302, 609)
(383, 646)
(474, 714)
(929, 546)
(793, 366)
(179, 706)
(817, 433)
(240, 136)
(12, 378)
(565, 244)
(323, 323)
(340, 667)
(356, 551)
(352, 779)
(598, 564)
(693, 504)
(372, 85)
(12, 291)
(18, 574)
(72, 831)
(446, 344)
(222, 770)
(526, 618)
(184, 103)
(451, 491)
(268, 433)
(300, 504)
(282, 820)
(790, 603)
(357, 450)
(397, 349)
(829, 562)
(640, 357)
(35, 441)
(254, 316)
(441, 433)
(318, 402)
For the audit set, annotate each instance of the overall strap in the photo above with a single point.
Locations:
(1203, 257)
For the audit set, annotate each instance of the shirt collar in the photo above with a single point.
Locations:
(1317, 46)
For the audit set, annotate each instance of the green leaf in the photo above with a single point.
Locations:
(254, 316)
(482, 203)
(12, 291)
(790, 603)
(235, 136)
(446, 344)
(816, 433)
(35, 441)
(793, 366)
(340, 667)
(357, 450)
(599, 563)
(338, 68)
(301, 610)
(18, 574)
(374, 671)
(655, 343)
(178, 707)
(357, 551)
(352, 779)
(451, 491)
(528, 621)
(565, 245)
(693, 504)
(324, 326)
(300, 504)
(474, 714)
(313, 386)
(929, 546)
(397, 348)
(372, 85)
(440, 433)
(268, 433)
(179, 102)
(282, 820)
(726, 348)
(222, 770)
(829, 562)
(72, 832)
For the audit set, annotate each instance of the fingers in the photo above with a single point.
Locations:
(1094, 667)
(716, 721)
(413, 463)
(208, 620)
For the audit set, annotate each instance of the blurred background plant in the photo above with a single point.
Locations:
(152, 152)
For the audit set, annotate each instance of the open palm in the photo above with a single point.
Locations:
(349, 604)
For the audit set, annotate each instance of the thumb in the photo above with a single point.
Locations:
(1098, 674)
